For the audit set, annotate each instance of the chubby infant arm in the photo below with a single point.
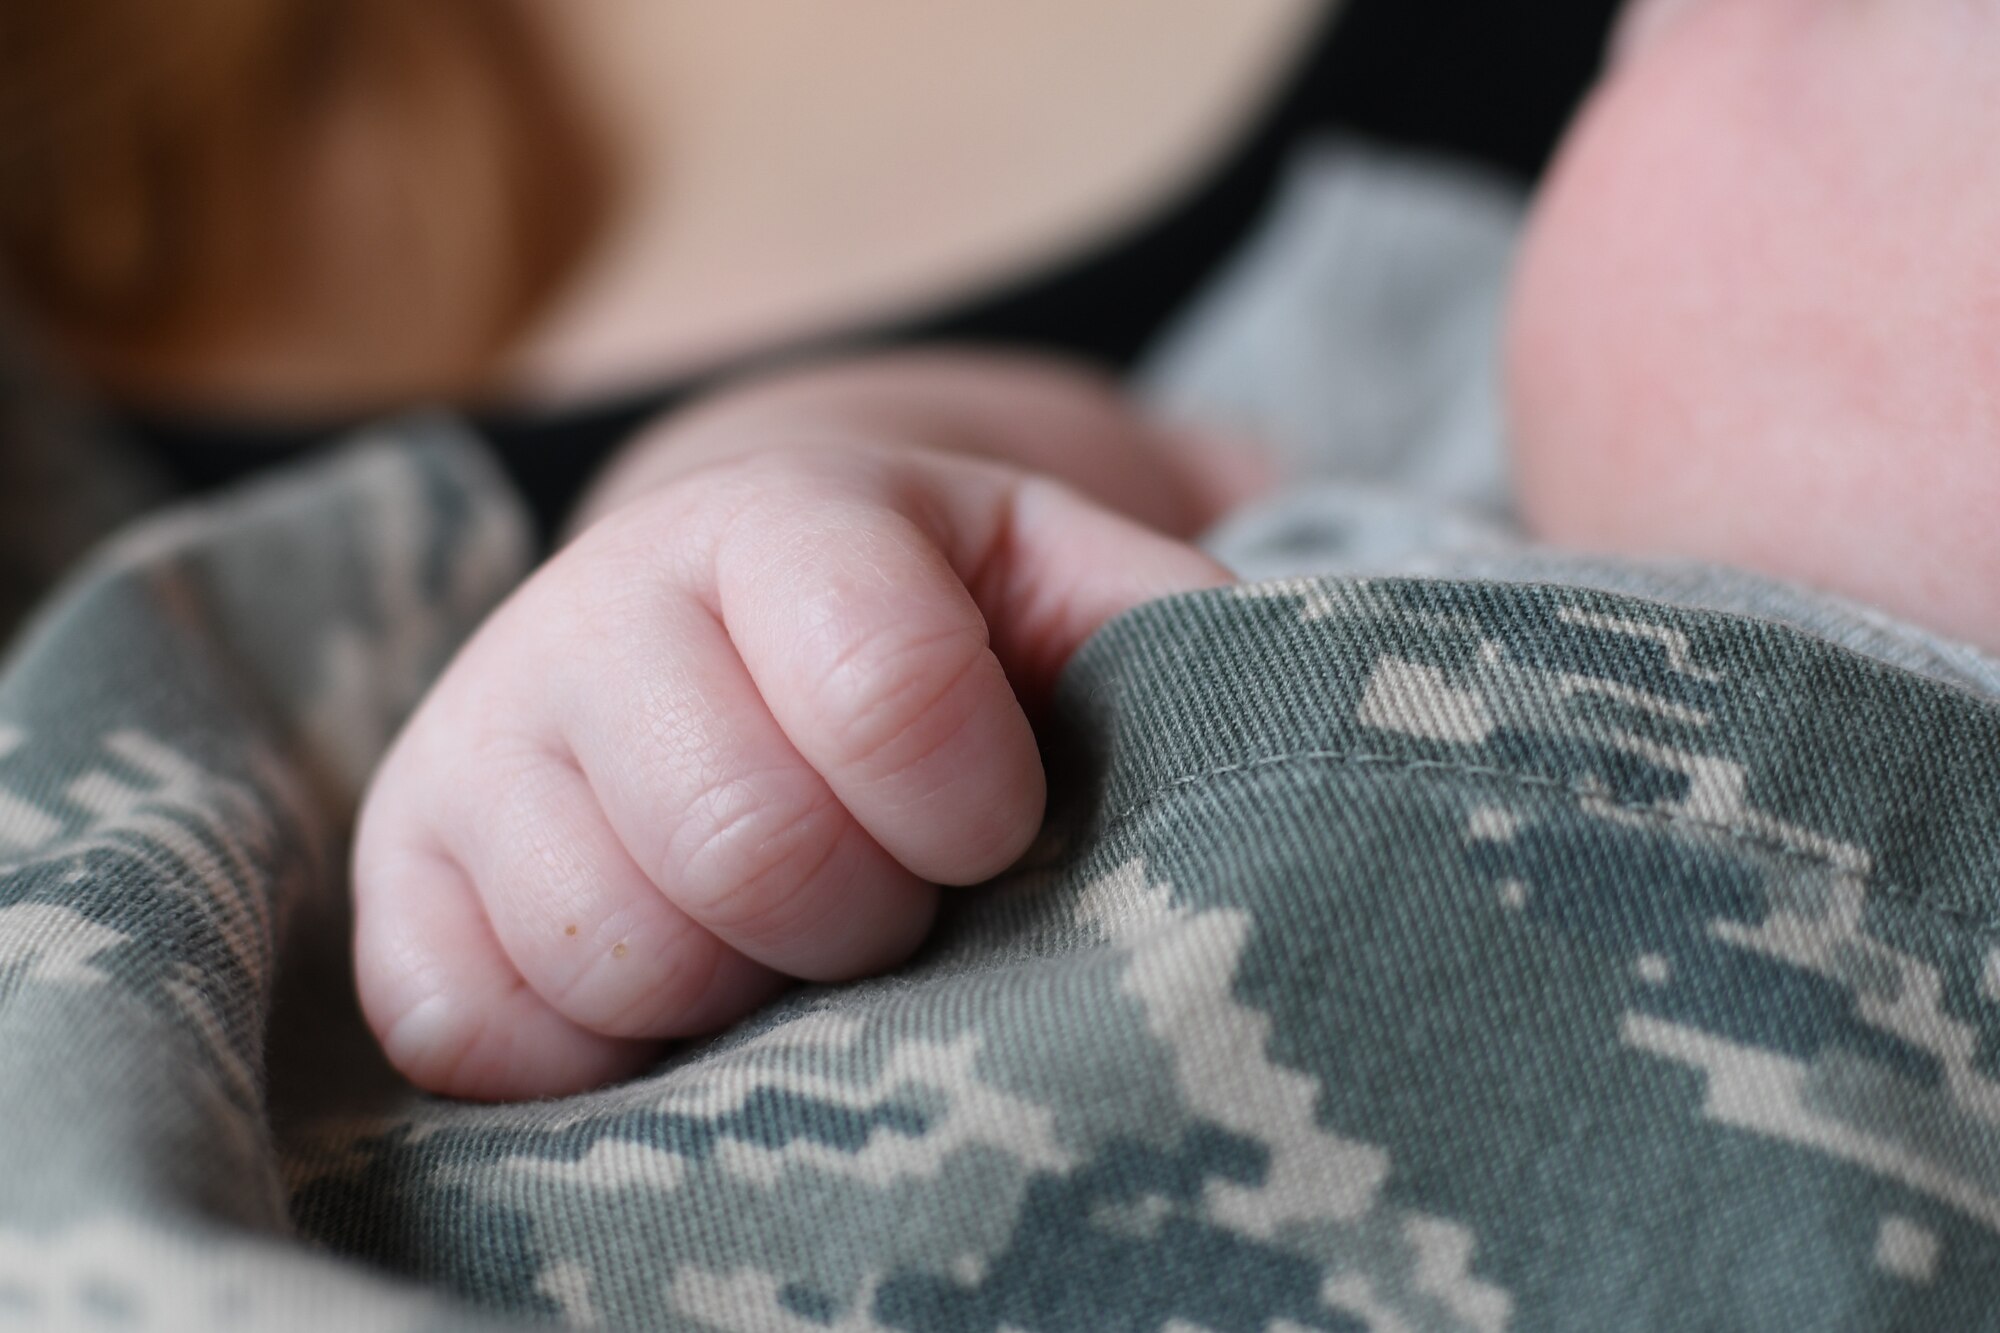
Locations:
(774, 690)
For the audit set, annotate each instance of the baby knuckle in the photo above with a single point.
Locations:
(441, 1042)
(620, 996)
(747, 860)
(603, 594)
(887, 700)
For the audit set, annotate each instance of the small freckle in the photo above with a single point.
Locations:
(569, 930)
(619, 950)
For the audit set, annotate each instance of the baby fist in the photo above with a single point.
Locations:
(733, 734)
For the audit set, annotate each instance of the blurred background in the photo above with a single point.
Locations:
(1493, 80)
(233, 310)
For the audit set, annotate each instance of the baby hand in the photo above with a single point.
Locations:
(733, 734)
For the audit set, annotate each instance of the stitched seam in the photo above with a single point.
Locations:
(1576, 791)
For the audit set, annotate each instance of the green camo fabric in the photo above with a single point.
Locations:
(1399, 955)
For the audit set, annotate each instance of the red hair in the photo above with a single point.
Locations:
(185, 183)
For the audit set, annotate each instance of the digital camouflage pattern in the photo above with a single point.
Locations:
(1401, 954)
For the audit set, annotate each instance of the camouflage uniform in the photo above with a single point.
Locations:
(1401, 953)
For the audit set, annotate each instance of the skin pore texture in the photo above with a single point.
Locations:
(1757, 317)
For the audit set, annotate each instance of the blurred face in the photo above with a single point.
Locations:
(1758, 314)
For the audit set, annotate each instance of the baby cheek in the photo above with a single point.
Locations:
(1737, 336)
(1617, 268)
(1683, 320)
(1762, 385)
